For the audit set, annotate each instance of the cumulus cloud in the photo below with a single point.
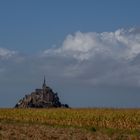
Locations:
(96, 59)
(124, 44)
(6, 53)
(108, 58)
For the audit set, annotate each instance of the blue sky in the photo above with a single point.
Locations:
(86, 48)
(29, 26)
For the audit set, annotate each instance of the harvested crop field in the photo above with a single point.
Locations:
(69, 124)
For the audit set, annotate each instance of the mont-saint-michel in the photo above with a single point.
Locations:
(41, 98)
(89, 51)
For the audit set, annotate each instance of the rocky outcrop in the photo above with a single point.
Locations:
(41, 98)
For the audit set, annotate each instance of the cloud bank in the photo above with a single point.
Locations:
(6, 53)
(96, 59)
(99, 59)
(84, 46)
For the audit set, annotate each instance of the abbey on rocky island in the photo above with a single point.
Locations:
(41, 98)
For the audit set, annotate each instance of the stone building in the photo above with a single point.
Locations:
(41, 98)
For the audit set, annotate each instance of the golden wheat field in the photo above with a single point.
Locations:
(71, 124)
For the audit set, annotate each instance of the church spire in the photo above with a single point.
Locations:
(44, 83)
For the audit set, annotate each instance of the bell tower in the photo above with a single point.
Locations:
(44, 83)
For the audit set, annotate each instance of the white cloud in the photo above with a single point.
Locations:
(100, 58)
(6, 53)
(124, 44)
